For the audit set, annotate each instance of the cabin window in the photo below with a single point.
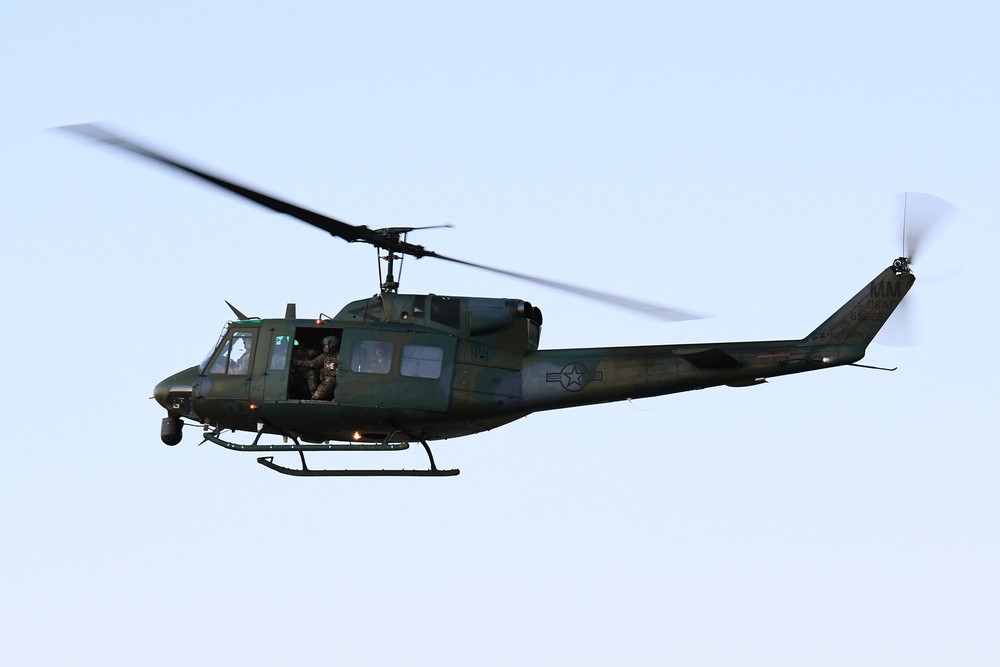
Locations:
(372, 356)
(421, 361)
(279, 353)
(446, 311)
(235, 355)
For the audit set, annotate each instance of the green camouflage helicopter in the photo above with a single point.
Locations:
(422, 367)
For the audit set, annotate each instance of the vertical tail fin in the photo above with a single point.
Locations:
(858, 320)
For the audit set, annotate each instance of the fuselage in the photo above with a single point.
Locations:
(433, 367)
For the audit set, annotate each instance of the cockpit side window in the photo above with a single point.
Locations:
(235, 355)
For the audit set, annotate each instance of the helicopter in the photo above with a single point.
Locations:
(415, 368)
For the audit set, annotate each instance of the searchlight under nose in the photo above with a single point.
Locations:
(174, 394)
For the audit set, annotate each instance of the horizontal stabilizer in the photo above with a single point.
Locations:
(708, 357)
(748, 383)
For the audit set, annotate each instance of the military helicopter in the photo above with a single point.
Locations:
(424, 367)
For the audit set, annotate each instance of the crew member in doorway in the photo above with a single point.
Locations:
(326, 363)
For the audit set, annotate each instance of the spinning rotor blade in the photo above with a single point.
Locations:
(390, 239)
(922, 214)
(902, 328)
(655, 310)
(348, 232)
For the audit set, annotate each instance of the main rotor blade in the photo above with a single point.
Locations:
(387, 239)
(339, 228)
(655, 310)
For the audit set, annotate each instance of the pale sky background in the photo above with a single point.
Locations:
(740, 159)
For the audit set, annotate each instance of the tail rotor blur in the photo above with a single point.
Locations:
(922, 215)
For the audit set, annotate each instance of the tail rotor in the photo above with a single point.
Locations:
(922, 217)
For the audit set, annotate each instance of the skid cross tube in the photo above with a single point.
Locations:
(215, 437)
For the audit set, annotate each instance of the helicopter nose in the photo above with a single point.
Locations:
(174, 393)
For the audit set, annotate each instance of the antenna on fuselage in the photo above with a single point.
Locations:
(236, 311)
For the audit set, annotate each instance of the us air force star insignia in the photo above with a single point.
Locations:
(573, 377)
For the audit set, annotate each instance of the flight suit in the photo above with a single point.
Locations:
(327, 365)
(310, 375)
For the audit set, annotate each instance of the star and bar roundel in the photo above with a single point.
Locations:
(573, 376)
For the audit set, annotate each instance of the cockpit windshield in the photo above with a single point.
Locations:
(222, 334)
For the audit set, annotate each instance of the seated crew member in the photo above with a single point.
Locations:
(242, 365)
(382, 361)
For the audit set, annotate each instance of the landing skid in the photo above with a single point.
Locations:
(306, 471)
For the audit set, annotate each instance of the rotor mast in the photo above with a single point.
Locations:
(391, 284)
(396, 247)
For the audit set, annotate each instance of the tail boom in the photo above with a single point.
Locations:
(565, 378)
(858, 320)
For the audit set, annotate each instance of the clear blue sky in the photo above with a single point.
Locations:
(735, 158)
